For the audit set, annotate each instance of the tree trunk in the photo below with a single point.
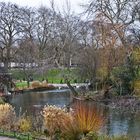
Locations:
(107, 93)
(6, 66)
(75, 93)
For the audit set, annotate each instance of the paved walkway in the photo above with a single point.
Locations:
(5, 138)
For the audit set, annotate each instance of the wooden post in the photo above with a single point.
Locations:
(28, 136)
(3, 131)
(14, 133)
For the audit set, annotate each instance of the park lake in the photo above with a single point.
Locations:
(116, 122)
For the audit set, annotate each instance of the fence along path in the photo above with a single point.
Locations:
(5, 138)
(13, 134)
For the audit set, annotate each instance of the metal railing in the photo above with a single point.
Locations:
(18, 135)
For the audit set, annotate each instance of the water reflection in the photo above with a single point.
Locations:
(116, 123)
(29, 101)
(119, 123)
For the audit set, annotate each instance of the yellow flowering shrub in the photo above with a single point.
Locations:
(24, 125)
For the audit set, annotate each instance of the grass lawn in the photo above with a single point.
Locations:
(21, 84)
(52, 76)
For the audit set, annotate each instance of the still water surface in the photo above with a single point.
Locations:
(117, 123)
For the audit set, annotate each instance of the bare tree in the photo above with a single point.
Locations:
(118, 13)
(44, 30)
(134, 29)
(65, 36)
(28, 23)
(88, 57)
(9, 31)
(26, 57)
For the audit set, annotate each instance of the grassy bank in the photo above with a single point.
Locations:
(52, 76)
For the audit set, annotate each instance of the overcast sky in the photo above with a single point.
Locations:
(59, 3)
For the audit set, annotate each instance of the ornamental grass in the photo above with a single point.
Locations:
(87, 118)
(73, 124)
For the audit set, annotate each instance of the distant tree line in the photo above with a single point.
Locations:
(99, 39)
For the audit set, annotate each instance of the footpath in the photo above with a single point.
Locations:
(5, 138)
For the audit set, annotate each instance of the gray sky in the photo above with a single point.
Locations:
(59, 3)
